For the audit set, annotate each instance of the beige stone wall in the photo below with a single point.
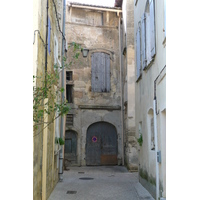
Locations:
(39, 69)
(131, 153)
(97, 31)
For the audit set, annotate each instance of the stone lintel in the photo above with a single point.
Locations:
(100, 107)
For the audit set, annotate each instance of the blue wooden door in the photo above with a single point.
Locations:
(101, 144)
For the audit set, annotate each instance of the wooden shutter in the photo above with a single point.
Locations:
(138, 53)
(148, 39)
(152, 28)
(143, 41)
(165, 17)
(100, 72)
(49, 35)
(107, 73)
(95, 75)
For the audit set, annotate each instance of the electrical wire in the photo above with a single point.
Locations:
(58, 19)
(39, 36)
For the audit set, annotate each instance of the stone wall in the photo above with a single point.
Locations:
(97, 31)
(131, 152)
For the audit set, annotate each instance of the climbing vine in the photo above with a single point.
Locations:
(47, 93)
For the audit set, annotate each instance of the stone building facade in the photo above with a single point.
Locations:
(94, 133)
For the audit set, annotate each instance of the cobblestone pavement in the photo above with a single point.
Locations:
(99, 183)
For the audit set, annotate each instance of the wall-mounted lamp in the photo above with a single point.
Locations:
(85, 52)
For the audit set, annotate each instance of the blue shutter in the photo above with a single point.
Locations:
(165, 16)
(138, 53)
(49, 35)
(100, 72)
(143, 41)
(152, 28)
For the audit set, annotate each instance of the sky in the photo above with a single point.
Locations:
(109, 3)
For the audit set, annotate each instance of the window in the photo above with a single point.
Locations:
(69, 76)
(69, 120)
(55, 50)
(150, 126)
(69, 92)
(148, 40)
(164, 18)
(69, 87)
(100, 72)
(138, 60)
(49, 35)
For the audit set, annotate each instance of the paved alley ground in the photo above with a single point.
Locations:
(99, 183)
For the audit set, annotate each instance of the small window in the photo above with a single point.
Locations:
(150, 127)
(68, 76)
(69, 120)
(152, 135)
(69, 86)
(69, 93)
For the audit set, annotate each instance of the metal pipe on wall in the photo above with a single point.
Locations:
(63, 97)
(156, 147)
(156, 134)
(122, 120)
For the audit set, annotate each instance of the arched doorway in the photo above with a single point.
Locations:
(70, 148)
(101, 144)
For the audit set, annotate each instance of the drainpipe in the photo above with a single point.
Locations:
(63, 98)
(156, 134)
(120, 62)
(46, 42)
(156, 145)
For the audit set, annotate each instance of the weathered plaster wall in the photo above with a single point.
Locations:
(39, 70)
(97, 31)
(144, 103)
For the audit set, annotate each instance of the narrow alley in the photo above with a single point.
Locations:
(99, 183)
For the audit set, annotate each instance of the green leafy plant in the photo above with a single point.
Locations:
(48, 87)
(59, 141)
(140, 140)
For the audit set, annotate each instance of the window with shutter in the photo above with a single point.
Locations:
(143, 41)
(150, 37)
(138, 54)
(147, 35)
(100, 72)
(164, 18)
(152, 28)
(49, 35)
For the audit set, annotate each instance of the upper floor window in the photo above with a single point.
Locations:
(146, 38)
(49, 35)
(69, 86)
(164, 29)
(100, 72)
(148, 34)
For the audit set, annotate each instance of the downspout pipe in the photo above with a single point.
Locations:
(63, 97)
(155, 113)
(120, 62)
(156, 146)
(46, 41)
